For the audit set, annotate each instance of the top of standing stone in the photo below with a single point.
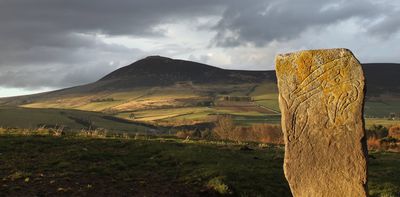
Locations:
(332, 51)
(303, 62)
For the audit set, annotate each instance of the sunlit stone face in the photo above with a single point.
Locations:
(321, 96)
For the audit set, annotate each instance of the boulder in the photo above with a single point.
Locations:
(321, 97)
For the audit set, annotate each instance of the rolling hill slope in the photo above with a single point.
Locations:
(157, 71)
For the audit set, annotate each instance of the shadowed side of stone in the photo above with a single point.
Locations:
(321, 95)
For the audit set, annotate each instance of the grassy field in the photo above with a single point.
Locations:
(48, 166)
(11, 117)
(380, 121)
(382, 108)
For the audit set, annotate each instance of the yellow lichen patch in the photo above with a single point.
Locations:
(303, 62)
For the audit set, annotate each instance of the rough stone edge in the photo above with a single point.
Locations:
(312, 50)
(364, 147)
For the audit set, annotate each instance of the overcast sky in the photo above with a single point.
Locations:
(50, 44)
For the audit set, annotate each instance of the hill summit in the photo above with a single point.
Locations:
(163, 71)
(158, 65)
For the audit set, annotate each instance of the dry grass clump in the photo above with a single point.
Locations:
(57, 131)
(83, 133)
(93, 133)
(40, 131)
(217, 184)
(3, 131)
(373, 143)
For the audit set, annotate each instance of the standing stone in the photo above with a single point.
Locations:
(321, 95)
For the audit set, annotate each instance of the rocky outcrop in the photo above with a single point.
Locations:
(321, 95)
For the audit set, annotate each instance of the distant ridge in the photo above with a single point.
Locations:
(158, 71)
(382, 78)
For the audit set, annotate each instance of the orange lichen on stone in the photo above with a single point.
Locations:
(302, 62)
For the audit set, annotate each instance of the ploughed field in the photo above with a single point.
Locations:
(72, 166)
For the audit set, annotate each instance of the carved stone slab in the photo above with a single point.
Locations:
(321, 97)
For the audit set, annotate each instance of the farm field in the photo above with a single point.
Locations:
(172, 106)
(192, 104)
(11, 117)
(42, 165)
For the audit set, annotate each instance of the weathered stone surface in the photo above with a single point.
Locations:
(321, 95)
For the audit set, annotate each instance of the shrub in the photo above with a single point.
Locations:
(102, 100)
(387, 143)
(391, 144)
(206, 134)
(377, 131)
(394, 131)
(389, 140)
(267, 133)
(224, 128)
(373, 143)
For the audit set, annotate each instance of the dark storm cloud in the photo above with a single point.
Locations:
(117, 17)
(27, 26)
(261, 22)
(54, 43)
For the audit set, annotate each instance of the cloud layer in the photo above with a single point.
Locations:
(55, 43)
